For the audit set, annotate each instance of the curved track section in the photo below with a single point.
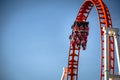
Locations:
(104, 21)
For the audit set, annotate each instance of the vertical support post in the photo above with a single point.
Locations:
(116, 39)
(106, 69)
(64, 75)
(112, 32)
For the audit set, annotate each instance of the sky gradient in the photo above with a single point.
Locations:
(34, 39)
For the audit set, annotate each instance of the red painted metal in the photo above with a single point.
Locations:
(76, 38)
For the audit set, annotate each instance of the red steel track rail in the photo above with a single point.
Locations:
(104, 21)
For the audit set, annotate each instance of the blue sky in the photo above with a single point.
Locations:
(34, 38)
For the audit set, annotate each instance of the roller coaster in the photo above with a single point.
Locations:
(109, 44)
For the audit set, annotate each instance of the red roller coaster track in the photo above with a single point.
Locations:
(104, 21)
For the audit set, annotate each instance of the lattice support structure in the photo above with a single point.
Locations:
(113, 32)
